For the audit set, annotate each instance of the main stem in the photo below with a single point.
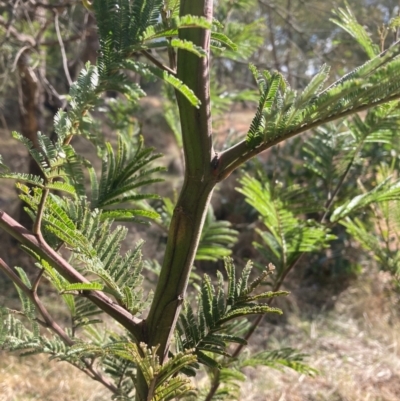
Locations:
(188, 217)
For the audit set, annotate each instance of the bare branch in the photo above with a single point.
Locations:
(53, 6)
(157, 63)
(21, 37)
(62, 48)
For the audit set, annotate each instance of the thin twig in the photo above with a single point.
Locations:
(32, 295)
(10, 21)
(62, 48)
(273, 41)
(171, 51)
(36, 283)
(52, 6)
(21, 37)
(39, 215)
(158, 63)
(215, 385)
(330, 201)
(18, 56)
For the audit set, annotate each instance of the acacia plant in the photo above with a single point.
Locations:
(162, 339)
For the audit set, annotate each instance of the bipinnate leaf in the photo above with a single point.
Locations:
(209, 332)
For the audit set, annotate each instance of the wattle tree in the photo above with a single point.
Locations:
(164, 339)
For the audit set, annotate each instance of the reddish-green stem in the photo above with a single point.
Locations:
(44, 251)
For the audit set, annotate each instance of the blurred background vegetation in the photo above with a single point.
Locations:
(343, 309)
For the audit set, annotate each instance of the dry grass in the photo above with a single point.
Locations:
(35, 378)
(355, 347)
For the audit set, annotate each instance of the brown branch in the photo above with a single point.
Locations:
(36, 283)
(215, 385)
(40, 247)
(31, 41)
(21, 37)
(272, 40)
(62, 48)
(158, 63)
(11, 18)
(72, 38)
(52, 6)
(32, 295)
(39, 215)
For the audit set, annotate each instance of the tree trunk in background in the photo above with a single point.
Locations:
(31, 99)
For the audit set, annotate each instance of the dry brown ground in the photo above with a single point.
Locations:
(355, 347)
(355, 344)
